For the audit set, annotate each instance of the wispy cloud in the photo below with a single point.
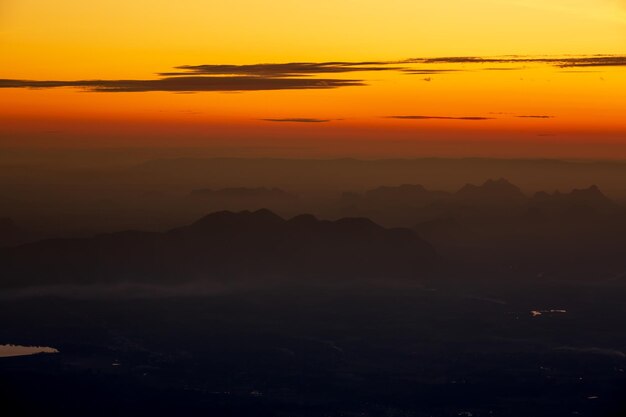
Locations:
(535, 117)
(562, 62)
(424, 71)
(470, 118)
(310, 75)
(299, 120)
(187, 84)
(290, 69)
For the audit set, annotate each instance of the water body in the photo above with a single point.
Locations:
(7, 351)
(537, 313)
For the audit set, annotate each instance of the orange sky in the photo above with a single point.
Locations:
(454, 107)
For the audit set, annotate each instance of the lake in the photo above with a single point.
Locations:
(7, 351)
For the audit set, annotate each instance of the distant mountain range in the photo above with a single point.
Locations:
(589, 199)
(581, 233)
(345, 174)
(491, 197)
(243, 198)
(225, 246)
(492, 192)
(492, 226)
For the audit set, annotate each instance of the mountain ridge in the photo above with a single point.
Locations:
(225, 246)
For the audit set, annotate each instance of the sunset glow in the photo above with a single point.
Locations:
(526, 59)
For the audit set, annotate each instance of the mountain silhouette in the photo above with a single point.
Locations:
(225, 246)
(491, 192)
(447, 229)
(578, 200)
(410, 204)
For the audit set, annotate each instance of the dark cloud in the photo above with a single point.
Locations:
(301, 75)
(298, 120)
(195, 78)
(471, 118)
(422, 71)
(503, 69)
(571, 71)
(451, 60)
(604, 61)
(187, 84)
(563, 62)
(291, 69)
(535, 117)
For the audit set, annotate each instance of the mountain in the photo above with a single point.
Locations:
(447, 230)
(413, 204)
(578, 200)
(243, 198)
(351, 174)
(492, 192)
(225, 246)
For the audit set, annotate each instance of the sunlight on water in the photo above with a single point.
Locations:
(537, 313)
(7, 351)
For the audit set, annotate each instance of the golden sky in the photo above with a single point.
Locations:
(370, 88)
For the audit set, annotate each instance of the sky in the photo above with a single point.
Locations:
(359, 78)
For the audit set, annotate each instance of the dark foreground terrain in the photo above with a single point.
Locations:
(471, 347)
(480, 302)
